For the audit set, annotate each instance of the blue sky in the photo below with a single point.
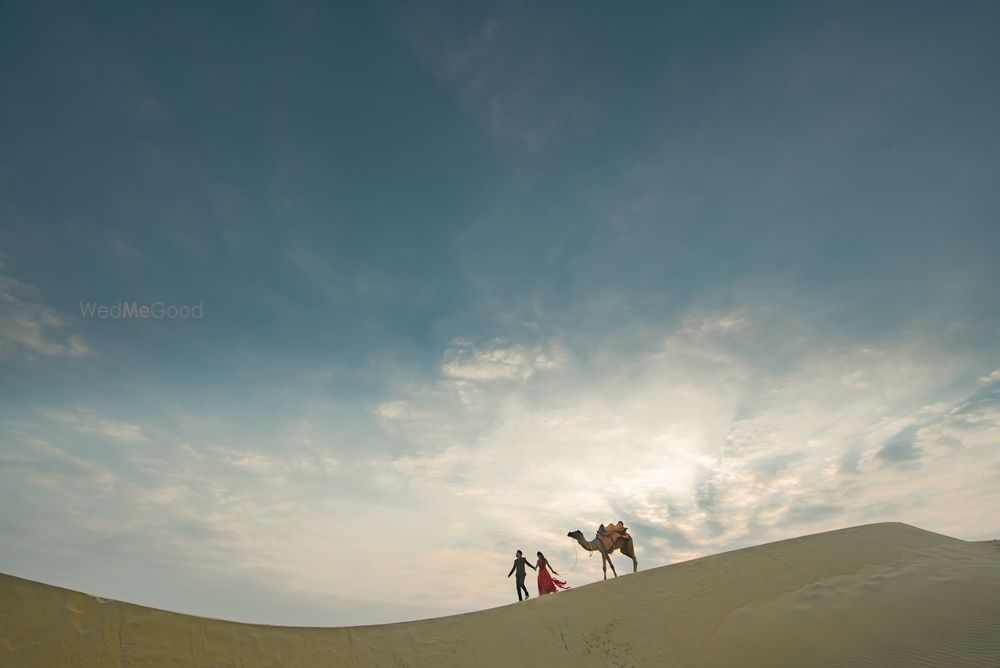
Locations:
(486, 273)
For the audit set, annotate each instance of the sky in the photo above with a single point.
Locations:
(469, 276)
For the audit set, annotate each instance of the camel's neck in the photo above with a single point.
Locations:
(590, 546)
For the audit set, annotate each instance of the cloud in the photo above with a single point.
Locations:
(194, 511)
(503, 72)
(690, 434)
(980, 408)
(29, 328)
(60, 464)
(729, 310)
(498, 360)
(87, 421)
(991, 377)
(443, 466)
(702, 324)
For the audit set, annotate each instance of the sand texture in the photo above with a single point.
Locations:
(880, 595)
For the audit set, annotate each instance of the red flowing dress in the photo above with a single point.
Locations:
(546, 583)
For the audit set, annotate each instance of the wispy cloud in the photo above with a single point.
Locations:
(703, 440)
(691, 434)
(88, 421)
(638, 265)
(29, 328)
(502, 72)
(498, 360)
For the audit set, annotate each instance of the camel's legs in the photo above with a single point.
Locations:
(628, 549)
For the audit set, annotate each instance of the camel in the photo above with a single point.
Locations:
(623, 544)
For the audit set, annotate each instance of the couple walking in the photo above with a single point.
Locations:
(546, 583)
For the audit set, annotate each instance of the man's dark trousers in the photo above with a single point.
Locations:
(520, 586)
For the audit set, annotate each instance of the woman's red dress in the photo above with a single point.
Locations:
(546, 583)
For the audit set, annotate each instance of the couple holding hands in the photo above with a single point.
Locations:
(546, 583)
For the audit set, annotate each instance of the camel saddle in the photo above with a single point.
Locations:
(609, 533)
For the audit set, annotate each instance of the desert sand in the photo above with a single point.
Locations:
(877, 595)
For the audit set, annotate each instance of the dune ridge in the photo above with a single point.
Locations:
(876, 595)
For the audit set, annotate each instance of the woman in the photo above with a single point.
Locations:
(546, 583)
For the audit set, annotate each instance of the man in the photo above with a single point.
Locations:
(519, 563)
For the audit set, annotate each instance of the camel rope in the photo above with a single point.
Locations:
(576, 555)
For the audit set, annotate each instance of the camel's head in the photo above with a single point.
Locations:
(575, 534)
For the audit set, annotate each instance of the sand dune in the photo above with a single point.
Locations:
(878, 595)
